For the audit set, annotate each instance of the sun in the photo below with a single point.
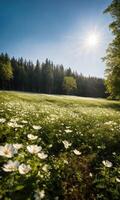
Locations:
(92, 39)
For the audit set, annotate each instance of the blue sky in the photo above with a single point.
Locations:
(56, 29)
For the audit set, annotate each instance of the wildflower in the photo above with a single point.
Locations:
(76, 152)
(14, 120)
(114, 153)
(11, 166)
(50, 145)
(11, 124)
(32, 137)
(8, 150)
(108, 123)
(39, 194)
(68, 131)
(36, 127)
(118, 180)
(90, 174)
(24, 122)
(34, 149)
(42, 155)
(2, 120)
(17, 146)
(24, 169)
(45, 168)
(107, 163)
(14, 125)
(66, 144)
(65, 162)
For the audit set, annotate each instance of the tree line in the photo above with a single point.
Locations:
(22, 75)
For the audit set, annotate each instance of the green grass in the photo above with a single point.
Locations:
(90, 126)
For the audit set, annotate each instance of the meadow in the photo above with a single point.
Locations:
(59, 147)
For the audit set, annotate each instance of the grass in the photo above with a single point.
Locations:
(80, 147)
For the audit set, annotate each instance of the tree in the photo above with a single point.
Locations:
(37, 77)
(58, 79)
(112, 58)
(69, 84)
(6, 72)
(47, 76)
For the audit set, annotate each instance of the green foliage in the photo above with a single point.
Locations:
(112, 58)
(6, 72)
(69, 84)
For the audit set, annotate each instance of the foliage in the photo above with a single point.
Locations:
(112, 58)
(69, 84)
(6, 72)
(69, 147)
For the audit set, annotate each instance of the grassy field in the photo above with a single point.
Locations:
(59, 147)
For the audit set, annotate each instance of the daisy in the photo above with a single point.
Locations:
(66, 144)
(42, 155)
(8, 150)
(32, 137)
(107, 163)
(34, 149)
(76, 152)
(11, 166)
(36, 127)
(24, 169)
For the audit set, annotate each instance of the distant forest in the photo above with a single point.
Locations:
(45, 77)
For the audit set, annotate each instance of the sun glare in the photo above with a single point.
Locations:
(92, 39)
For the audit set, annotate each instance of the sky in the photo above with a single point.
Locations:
(57, 30)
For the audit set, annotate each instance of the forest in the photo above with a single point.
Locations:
(46, 77)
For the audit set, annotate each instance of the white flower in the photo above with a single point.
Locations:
(34, 149)
(114, 153)
(24, 169)
(24, 121)
(2, 120)
(11, 166)
(11, 124)
(76, 152)
(107, 163)
(42, 155)
(65, 162)
(90, 174)
(37, 127)
(68, 131)
(50, 145)
(39, 194)
(66, 144)
(45, 168)
(32, 137)
(14, 120)
(118, 180)
(14, 125)
(17, 146)
(8, 151)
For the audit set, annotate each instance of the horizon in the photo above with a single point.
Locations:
(57, 31)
